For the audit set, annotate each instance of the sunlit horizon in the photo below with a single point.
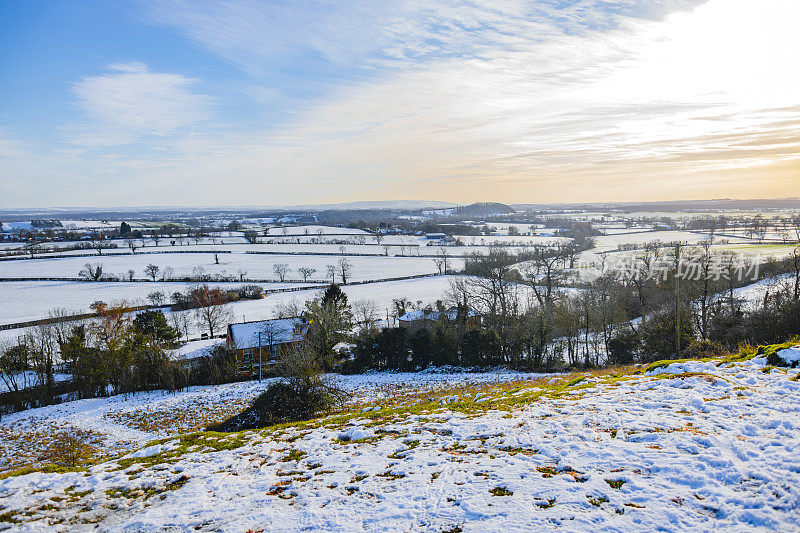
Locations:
(151, 103)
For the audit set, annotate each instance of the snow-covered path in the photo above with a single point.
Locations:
(693, 446)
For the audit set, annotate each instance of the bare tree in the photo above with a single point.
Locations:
(241, 273)
(131, 274)
(92, 271)
(166, 273)
(281, 270)
(210, 313)
(98, 243)
(180, 321)
(156, 298)
(366, 314)
(344, 269)
(131, 243)
(306, 272)
(289, 309)
(331, 272)
(151, 271)
(379, 237)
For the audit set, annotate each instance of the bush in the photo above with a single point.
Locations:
(658, 335)
(303, 396)
(220, 366)
(623, 347)
(69, 449)
(703, 350)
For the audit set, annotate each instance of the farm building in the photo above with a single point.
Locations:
(425, 318)
(268, 337)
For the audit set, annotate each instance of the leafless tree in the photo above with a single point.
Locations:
(131, 243)
(344, 269)
(92, 271)
(156, 298)
(281, 270)
(211, 312)
(180, 321)
(365, 313)
(166, 273)
(131, 274)
(306, 272)
(151, 271)
(331, 272)
(288, 309)
(98, 243)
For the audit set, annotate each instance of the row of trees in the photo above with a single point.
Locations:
(118, 352)
(659, 305)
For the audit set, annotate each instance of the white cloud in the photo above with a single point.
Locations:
(649, 109)
(509, 100)
(130, 102)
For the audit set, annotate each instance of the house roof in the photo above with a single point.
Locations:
(245, 334)
(422, 314)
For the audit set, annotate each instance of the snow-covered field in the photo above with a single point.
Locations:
(33, 300)
(509, 240)
(691, 446)
(255, 266)
(605, 243)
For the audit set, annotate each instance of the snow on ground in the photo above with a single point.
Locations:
(253, 265)
(35, 299)
(753, 295)
(509, 240)
(195, 349)
(711, 447)
(315, 230)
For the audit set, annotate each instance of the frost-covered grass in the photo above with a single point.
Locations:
(700, 446)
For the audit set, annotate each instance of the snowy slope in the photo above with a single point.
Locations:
(694, 447)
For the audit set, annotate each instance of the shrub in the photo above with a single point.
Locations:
(302, 396)
(703, 349)
(69, 449)
(622, 348)
(658, 335)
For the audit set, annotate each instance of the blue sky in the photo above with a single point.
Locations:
(244, 102)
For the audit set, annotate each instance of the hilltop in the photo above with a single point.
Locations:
(678, 445)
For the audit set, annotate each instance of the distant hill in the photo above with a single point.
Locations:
(484, 209)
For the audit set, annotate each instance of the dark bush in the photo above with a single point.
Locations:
(282, 402)
(622, 348)
(304, 394)
(658, 335)
(703, 349)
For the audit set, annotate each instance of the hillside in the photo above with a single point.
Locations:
(680, 445)
(484, 209)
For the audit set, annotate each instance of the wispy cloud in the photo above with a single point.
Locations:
(130, 102)
(538, 101)
(549, 100)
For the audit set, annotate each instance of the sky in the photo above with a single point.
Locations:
(245, 102)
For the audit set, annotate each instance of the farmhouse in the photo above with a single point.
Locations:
(269, 337)
(425, 318)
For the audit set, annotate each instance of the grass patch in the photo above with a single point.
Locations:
(615, 483)
(294, 455)
(501, 491)
(597, 501)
